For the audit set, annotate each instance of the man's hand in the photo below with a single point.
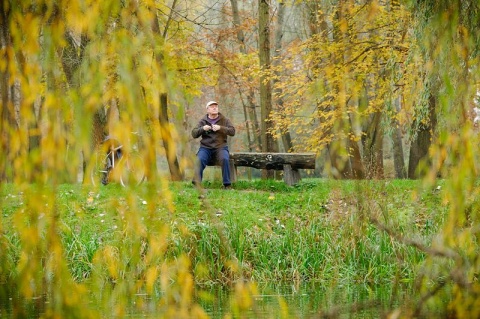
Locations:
(207, 128)
(215, 127)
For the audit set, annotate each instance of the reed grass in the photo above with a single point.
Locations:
(262, 231)
(315, 231)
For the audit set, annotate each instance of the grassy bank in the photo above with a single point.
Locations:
(319, 230)
(161, 248)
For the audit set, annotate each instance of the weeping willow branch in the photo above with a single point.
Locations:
(445, 253)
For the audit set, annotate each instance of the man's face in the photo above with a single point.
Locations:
(212, 109)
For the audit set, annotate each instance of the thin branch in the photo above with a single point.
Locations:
(363, 52)
(424, 298)
(193, 69)
(446, 253)
(169, 20)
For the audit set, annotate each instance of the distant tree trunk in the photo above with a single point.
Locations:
(99, 126)
(247, 126)
(422, 140)
(168, 142)
(268, 143)
(31, 140)
(373, 147)
(338, 148)
(358, 170)
(253, 119)
(6, 117)
(71, 57)
(34, 137)
(7, 120)
(150, 154)
(286, 138)
(398, 157)
(167, 138)
(356, 163)
(341, 167)
(250, 109)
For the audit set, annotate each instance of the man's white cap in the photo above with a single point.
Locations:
(210, 103)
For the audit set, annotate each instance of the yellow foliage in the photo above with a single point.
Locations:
(356, 68)
(109, 256)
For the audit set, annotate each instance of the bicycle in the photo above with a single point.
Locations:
(112, 163)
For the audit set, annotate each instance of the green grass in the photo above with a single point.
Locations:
(165, 246)
(162, 247)
(262, 230)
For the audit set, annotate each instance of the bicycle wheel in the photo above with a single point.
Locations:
(99, 172)
(132, 170)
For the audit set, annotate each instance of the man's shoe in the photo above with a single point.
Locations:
(227, 187)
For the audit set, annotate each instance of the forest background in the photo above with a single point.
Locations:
(361, 84)
(375, 88)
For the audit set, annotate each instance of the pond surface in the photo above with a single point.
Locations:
(309, 300)
(312, 300)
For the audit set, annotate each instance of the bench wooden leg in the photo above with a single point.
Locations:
(233, 171)
(290, 176)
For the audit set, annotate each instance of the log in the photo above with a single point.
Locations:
(274, 161)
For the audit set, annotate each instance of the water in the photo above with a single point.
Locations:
(311, 300)
(308, 301)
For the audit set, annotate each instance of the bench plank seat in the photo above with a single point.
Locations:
(290, 163)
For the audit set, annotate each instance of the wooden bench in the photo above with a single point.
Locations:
(290, 163)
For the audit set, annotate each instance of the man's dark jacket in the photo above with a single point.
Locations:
(211, 139)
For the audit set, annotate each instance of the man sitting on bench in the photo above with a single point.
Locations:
(214, 129)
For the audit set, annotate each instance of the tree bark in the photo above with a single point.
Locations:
(71, 57)
(340, 165)
(168, 142)
(422, 140)
(338, 147)
(286, 137)
(358, 169)
(4, 90)
(268, 143)
(373, 147)
(6, 119)
(250, 109)
(398, 157)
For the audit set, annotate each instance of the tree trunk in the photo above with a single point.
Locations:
(340, 165)
(373, 147)
(252, 114)
(31, 140)
(398, 157)
(358, 170)
(286, 137)
(168, 142)
(268, 143)
(6, 119)
(71, 57)
(250, 109)
(338, 147)
(422, 141)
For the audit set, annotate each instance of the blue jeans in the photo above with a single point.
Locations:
(218, 156)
